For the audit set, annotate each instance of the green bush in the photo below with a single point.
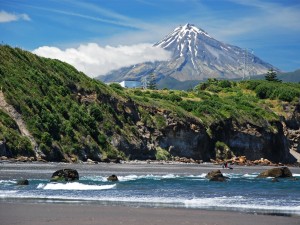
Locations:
(174, 98)
(277, 90)
(162, 154)
(116, 86)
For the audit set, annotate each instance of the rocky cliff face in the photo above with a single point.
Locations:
(189, 138)
(253, 141)
(292, 126)
(180, 137)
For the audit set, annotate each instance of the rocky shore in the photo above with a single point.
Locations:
(234, 161)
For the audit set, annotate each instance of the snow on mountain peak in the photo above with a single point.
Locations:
(184, 41)
(192, 28)
(182, 35)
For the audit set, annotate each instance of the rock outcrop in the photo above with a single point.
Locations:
(216, 175)
(65, 175)
(113, 178)
(23, 182)
(254, 142)
(291, 126)
(281, 172)
(10, 110)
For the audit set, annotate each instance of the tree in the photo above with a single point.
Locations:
(272, 76)
(152, 82)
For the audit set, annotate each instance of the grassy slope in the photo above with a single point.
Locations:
(67, 111)
(47, 94)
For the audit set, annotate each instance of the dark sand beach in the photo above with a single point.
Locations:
(66, 214)
(81, 213)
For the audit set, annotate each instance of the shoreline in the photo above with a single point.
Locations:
(26, 207)
(83, 214)
(11, 170)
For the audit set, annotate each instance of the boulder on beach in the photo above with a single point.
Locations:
(65, 175)
(281, 172)
(112, 178)
(216, 175)
(23, 182)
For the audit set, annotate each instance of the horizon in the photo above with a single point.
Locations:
(105, 35)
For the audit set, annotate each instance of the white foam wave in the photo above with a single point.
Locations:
(148, 176)
(252, 175)
(128, 177)
(8, 182)
(74, 186)
(239, 203)
(235, 203)
(5, 193)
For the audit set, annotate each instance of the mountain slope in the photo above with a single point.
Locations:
(195, 56)
(73, 117)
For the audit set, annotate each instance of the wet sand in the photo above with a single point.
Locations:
(66, 214)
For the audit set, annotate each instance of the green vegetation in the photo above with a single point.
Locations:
(274, 90)
(17, 145)
(223, 151)
(59, 105)
(217, 100)
(152, 82)
(272, 76)
(162, 154)
(78, 117)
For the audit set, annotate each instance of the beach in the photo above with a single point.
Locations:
(41, 211)
(88, 214)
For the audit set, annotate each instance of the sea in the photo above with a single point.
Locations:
(153, 185)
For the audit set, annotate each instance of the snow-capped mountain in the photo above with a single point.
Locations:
(195, 56)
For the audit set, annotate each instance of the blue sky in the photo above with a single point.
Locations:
(64, 28)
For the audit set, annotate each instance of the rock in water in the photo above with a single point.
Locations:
(216, 175)
(23, 182)
(276, 172)
(65, 175)
(113, 178)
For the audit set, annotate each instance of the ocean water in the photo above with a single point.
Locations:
(242, 192)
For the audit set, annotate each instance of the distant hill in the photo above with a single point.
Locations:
(293, 77)
(290, 76)
(174, 84)
(50, 111)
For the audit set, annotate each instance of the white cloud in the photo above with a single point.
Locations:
(95, 60)
(6, 17)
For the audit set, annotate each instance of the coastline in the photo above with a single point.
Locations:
(25, 211)
(84, 214)
(11, 170)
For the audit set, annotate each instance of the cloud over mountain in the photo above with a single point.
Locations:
(95, 60)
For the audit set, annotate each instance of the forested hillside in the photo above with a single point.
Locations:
(72, 117)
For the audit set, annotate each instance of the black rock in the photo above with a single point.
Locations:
(113, 178)
(23, 182)
(65, 175)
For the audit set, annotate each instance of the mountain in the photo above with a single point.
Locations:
(50, 111)
(195, 56)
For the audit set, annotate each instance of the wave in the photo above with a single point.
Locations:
(74, 186)
(232, 203)
(252, 175)
(148, 177)
(240, 203)
(7, 182)
(5, 193)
